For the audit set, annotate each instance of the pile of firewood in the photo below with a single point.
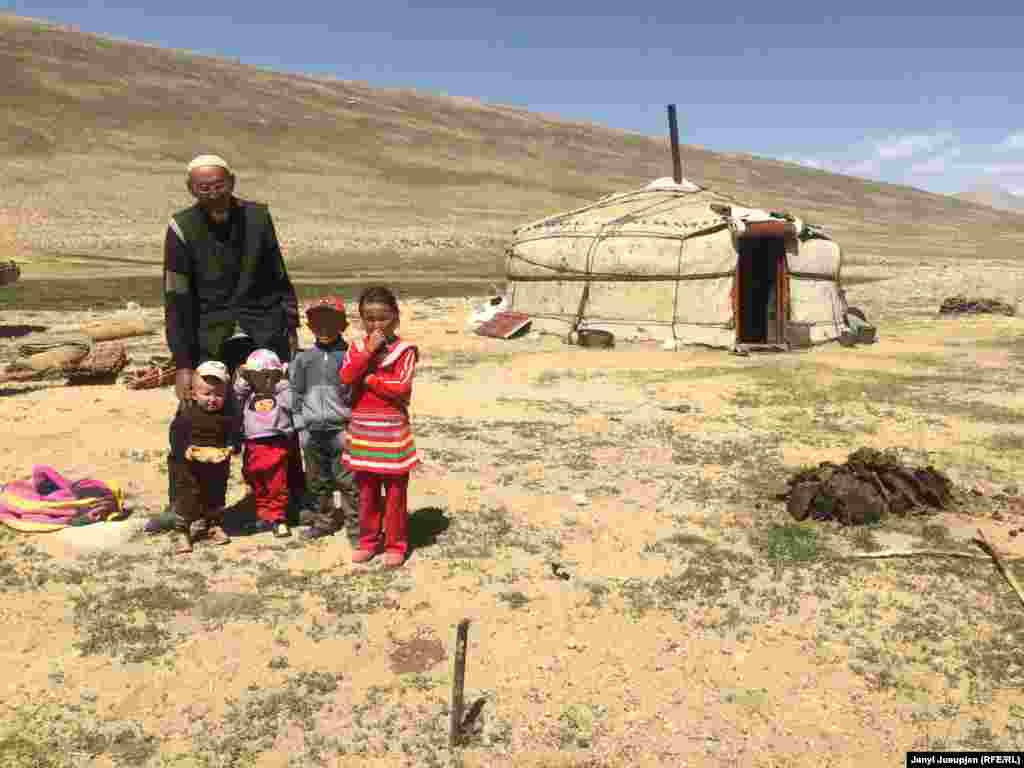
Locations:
(89, 356)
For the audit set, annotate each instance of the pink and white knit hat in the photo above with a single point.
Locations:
(264, 360)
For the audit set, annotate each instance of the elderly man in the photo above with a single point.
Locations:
(224, 276)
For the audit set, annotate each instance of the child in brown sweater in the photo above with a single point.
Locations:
(203, 434)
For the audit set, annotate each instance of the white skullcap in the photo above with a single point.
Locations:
(215, 161)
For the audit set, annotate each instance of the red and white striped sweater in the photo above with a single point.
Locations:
(387, 389)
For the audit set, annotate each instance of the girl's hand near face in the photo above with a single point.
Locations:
(380, 320)
(375, 341)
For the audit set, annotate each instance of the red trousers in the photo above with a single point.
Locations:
(391, 512)
(272, 470)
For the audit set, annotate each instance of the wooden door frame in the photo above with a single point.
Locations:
(782, 306)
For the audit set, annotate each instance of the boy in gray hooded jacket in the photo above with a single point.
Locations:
(322, 410)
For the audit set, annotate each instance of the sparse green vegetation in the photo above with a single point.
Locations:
(672, 551)
(789, 543)
(1007, 441)
(578, 725)
(253, 722)
(48, 735)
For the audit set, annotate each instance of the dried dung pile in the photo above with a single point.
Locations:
(870, 486)
(961, 305)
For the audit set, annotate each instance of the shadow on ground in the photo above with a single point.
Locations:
(11, 391)
(425, 525)
(240, 518)
(17, 331)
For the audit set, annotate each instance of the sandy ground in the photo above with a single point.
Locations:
(644, 478)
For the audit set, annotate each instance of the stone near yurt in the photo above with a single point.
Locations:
(961, 305)
(677, 263)
(9, 273)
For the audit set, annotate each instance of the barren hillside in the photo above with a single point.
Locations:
(993, 196)
(95, 134)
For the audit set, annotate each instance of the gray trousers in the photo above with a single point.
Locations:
(325, 472)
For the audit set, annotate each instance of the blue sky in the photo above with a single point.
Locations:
(888, 91)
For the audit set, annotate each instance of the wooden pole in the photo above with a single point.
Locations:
(673, 134)
(1007, 573)
(458, 684)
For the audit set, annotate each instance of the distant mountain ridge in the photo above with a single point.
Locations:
(993, 196)
(95, 134)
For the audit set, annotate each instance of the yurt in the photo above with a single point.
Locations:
(678, 264)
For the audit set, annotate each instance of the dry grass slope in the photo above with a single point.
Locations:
(96, 131)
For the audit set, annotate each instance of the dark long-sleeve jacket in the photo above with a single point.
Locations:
(222, 277)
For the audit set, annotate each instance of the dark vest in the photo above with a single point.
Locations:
(238, 281)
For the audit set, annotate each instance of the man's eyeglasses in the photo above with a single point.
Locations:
(210, 189)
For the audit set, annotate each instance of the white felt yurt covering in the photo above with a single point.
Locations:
(674, 262)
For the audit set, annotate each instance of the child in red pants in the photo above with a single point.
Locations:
(265, 401)
(379, 447)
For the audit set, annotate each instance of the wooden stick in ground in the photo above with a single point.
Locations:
(918, 553)
(458, 684)
(987, 546)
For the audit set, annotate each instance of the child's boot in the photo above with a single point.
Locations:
(326, 522)
(200, 529)
(181, 539)
(394, 560)
(215, 530)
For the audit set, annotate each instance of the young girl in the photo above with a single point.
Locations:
(265, 400)
(379, 448)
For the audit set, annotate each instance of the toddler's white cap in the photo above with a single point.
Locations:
(213, 368)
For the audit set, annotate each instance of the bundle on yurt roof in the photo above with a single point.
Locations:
(676, 263)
